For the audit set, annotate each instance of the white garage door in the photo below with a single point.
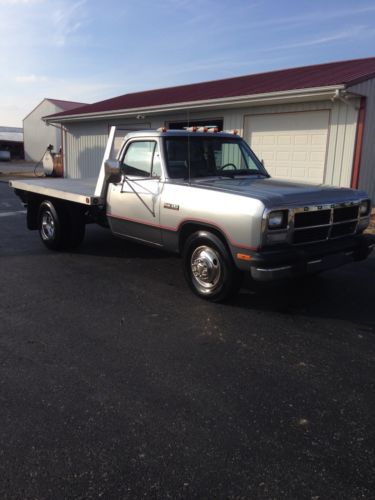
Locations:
(292, 145)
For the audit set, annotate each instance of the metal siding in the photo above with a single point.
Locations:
(340, 136)
(331, 146)
(233, 120)
(367, 166)
(37, 135)
(349, 144)
(85, 141)
(84, 147)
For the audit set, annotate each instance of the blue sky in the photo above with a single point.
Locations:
(89, 50)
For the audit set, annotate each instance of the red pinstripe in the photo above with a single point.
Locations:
(176, 229)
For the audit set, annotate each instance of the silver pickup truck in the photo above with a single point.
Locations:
(204, 194)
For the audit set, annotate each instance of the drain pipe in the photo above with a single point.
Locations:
(358, 144)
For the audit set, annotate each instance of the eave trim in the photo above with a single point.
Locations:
(227, 101)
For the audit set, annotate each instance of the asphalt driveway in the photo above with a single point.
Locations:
(116, 382)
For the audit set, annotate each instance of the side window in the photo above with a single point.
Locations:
(142, 159)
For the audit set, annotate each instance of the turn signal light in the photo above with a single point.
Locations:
(243, 256)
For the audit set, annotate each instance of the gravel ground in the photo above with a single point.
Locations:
(16, 167)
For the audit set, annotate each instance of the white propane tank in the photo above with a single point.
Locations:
(48, 163)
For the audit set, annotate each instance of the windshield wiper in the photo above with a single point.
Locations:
(245, 171)
(226, 173)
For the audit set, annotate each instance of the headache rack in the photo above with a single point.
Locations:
(314, 224)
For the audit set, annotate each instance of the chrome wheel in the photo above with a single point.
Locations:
(209, 268)
(48, 230)
(206, 268)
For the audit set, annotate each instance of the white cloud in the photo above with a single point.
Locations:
(325, 39)
(67, 20)
(30, 78)
(19, 2)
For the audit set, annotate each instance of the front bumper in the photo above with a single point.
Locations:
(287, 262)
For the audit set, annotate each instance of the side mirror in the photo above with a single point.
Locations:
(112, 167)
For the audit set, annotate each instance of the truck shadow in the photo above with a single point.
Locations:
(346, 293)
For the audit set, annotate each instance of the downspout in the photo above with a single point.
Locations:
(358, 143)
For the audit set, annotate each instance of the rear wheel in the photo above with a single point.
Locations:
(59, 229)
(209, 268)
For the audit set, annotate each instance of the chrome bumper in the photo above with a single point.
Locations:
(304, 264)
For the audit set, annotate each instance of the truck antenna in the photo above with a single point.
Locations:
(188, 124)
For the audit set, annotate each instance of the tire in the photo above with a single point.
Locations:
(58, 228)
(208, 267)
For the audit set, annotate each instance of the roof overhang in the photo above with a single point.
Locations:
(4, 137)
(288, 96)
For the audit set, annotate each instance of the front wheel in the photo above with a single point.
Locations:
(209, 268)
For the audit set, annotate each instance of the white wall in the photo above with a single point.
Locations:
(85, 141)
(37, 135)
(84, 145)
(367, 165)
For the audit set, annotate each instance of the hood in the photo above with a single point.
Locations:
(273, 192)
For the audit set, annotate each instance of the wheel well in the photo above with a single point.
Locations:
(33, 205)
(33, 202)
(191, 227)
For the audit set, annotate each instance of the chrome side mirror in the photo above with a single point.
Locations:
(112, 167)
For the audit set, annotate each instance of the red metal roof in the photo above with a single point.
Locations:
(321, 75)
(66, 105)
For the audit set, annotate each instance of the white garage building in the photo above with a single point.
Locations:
(312, 124)
(37, 135)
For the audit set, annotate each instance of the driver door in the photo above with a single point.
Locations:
(134, 203)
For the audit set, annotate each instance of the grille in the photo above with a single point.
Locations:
(323, 224)
(343, 229)
(308, 219)
(308, 235)
(347, 213)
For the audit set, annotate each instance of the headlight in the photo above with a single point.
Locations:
(364, 207)
(278, 219)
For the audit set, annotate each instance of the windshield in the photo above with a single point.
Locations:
(198, 156)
